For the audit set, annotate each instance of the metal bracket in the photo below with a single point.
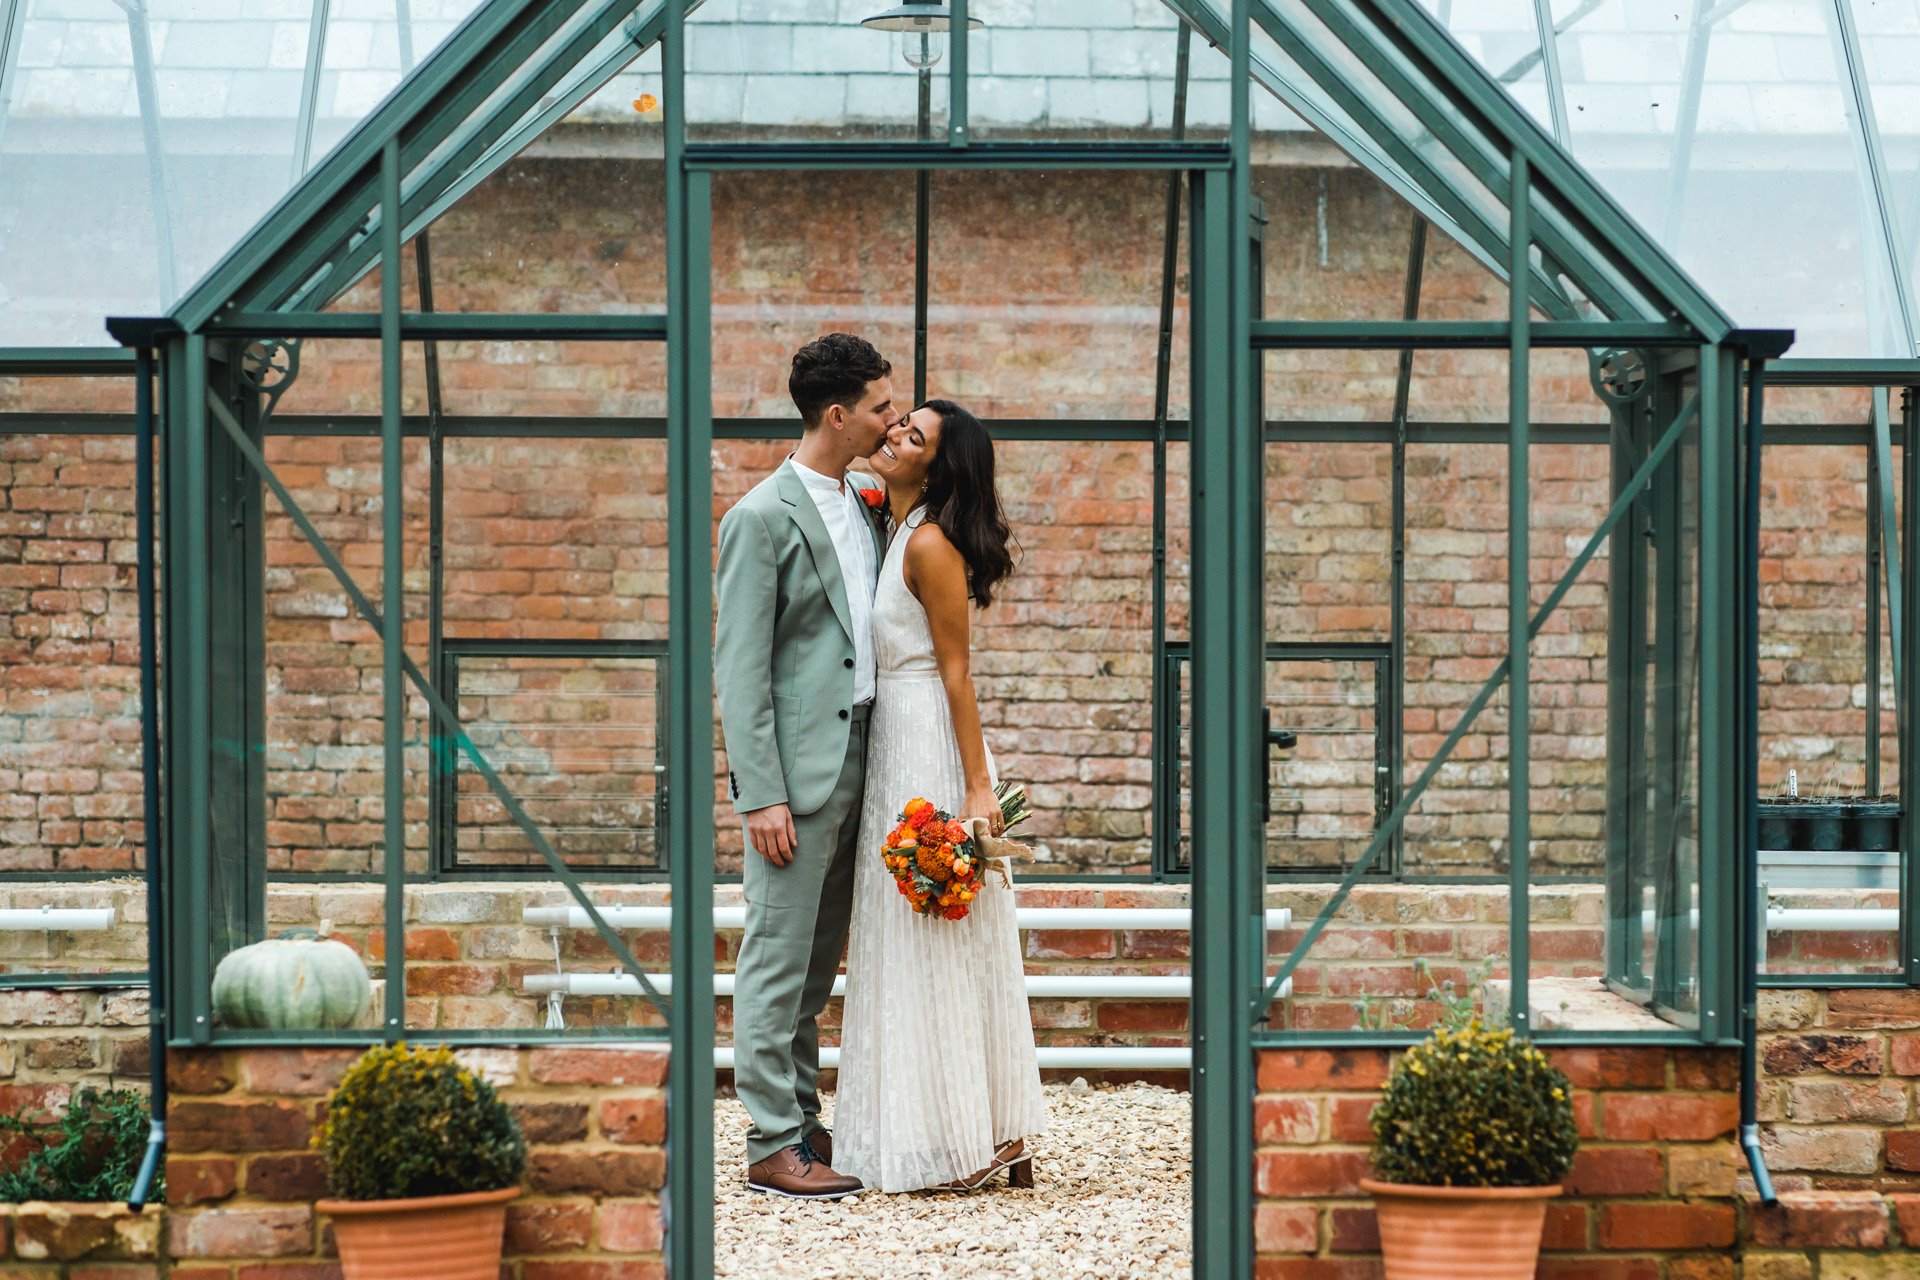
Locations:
(269, 366)
(1620, 375)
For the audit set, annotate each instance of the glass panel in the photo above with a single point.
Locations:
(576, 737)
(1018, 325)
(87, 136)
(1889, 45)
(1689, 126)
(1101, 71)
(1829, 799)
(757, 73)
(1325, 787)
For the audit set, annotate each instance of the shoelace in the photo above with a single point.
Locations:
(804, 1153)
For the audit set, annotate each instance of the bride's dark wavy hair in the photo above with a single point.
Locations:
(962, 500)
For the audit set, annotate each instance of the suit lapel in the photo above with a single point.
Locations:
(826, 560)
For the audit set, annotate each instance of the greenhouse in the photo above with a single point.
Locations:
(1456, 463)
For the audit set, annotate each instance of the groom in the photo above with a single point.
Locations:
(793, 661)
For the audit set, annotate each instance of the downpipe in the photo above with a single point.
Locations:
(150, 770)
(1756, 915)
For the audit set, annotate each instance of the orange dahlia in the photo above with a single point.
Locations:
(935, 863)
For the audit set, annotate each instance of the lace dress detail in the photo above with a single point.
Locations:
(925, 1095)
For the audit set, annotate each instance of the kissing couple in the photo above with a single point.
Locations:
(841, 660)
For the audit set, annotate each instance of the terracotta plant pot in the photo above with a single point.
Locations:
(455, 1237)
(1446, 1233)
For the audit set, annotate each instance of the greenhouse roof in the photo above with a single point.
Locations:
(1690, 123)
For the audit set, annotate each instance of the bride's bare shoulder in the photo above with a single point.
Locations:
(933, 560)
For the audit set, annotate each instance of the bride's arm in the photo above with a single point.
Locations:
(937, 576)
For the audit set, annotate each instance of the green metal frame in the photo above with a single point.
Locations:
(482, 87)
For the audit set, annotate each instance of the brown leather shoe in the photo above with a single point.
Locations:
(792, 1171)
(822, 1143)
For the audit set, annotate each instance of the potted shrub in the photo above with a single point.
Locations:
(1471, 1140)
(422, 1157)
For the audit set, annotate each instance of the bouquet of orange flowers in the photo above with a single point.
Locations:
(940, 863)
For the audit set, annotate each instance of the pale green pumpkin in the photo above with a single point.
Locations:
(290, 982)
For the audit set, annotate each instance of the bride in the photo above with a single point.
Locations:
(939, 1082)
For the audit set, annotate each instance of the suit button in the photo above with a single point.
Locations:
(849, 664)
(843, 713)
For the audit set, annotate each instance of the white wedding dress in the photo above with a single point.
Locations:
(937, 1065)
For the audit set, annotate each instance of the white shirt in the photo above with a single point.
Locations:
(844, 513)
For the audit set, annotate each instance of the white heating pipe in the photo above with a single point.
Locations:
(1833, 919)
(1811, 919)
(1090, 918)
(1093, 1057)
(57, 919)
(1047, 986)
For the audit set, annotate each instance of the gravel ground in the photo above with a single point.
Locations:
(1112, 1200)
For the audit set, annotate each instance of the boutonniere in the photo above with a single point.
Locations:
(874, 498)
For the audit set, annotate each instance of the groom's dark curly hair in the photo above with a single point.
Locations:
(833, 370)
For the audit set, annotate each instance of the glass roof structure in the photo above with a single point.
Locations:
(1772, 146)
(1693, 117)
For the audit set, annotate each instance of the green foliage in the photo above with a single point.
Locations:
(91, 1152)
(1457, 1007)
(1475, 1108)
(413, 1122)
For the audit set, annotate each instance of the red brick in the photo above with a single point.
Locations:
(1299, 1070)
(1616, 1171)
(631, 1226)
(1903, 1057)
(452, 979)
(1279, 1175)
(596, 1269)
(1353, 1230)
(114, 1271)
(641, 1065)
(286, 1271)
(1317, 1269)
(1566, 1227)
(297, 1175)
(1351, 1119)
(544, 1123)
(1706, 1070)
(1613, 1068)
(1639, 1117)
(199, 1181)
(1286, 1120)
(1873, 1007)
(1903, 1150)
(1822, 1220)
(1166, 1016)
(241, 1233)
(634, 1120)
(1906, 1213)
(618, 1171)
(1665, 1225)
(1069, 944)
(422, 944)
(200, 1071)
(300, 1072)
(1560, 1268)
(548, 1226)
(1156, 944)
(236, 1126)
(1698, 1267)
(1842, 1055)
(1286, 1228)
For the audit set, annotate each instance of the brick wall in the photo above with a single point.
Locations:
(241, 1178)
(69, 1241)
(1659, 1190)
(566, 539)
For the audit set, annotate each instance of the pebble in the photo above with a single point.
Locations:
(1112, 1200)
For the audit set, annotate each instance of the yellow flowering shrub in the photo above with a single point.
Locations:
(1469, 1107)
(408, 1122)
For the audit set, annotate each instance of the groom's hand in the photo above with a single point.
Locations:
(771, 831)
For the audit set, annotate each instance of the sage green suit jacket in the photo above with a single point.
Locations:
(783, 646)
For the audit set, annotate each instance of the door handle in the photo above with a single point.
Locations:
(1270, 738)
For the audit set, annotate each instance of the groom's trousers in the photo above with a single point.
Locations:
(796, 932)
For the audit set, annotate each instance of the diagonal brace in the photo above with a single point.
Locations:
(1388, 828)
(441, 711)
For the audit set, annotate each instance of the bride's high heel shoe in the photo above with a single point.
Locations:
(1012, 1157)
